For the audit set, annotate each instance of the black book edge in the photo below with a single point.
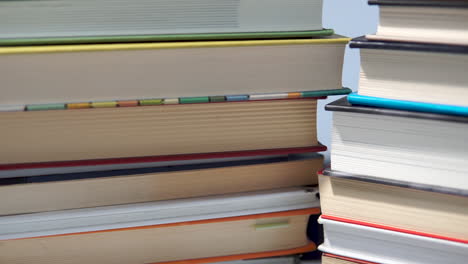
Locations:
(364, 43)
(421, 3)
(162, 169)
(342, 105)
(402, 184)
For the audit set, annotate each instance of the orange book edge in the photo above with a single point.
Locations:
(308, 211)
(309, 247)
(348, 259)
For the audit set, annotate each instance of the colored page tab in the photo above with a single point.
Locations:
(194, 100)
(45, 107)
(104, 104)
(268, 96)
(130, 103)
(78, 105)
(232, 98)
(294, 95)
(12, 108)
(171, 101)
(215, 99)
(151, 102)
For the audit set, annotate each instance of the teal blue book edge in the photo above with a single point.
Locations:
(164, 38)
(357, 99)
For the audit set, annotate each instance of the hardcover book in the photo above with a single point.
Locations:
(384, 245)
(429, 21)
(406, 207)
(103, 73)
(150, 133)
(101, 188)
(67, 21)
(416, 72)
(399, 145)
(213, 229)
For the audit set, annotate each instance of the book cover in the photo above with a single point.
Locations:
(164, 38)
(342, 105)
(357, 99)
(364, 43)
(422, 3)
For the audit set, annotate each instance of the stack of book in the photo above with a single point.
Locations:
(163, 131)
(397, 190)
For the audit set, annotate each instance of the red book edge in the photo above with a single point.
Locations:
(212, 155)
(390, 228)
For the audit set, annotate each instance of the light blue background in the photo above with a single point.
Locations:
(351, 18)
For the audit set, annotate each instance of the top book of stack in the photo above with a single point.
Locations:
(106, 21)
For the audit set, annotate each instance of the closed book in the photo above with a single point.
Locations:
(428, 21)
(416, 72)
(103, 73)
(67, 21)
(96, 136)
(217, 228)
(399, 145)
(384, 245)
(407, 207)
(102, 188)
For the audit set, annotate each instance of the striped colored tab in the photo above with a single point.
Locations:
(294, 95)
(108, 104)
(171, 101)
(130, 103)
(232, 98)
(78, 105)
(12, 108)
(271, 96)
(215, 99)
(194, 100)
(45, 107)
(151, 102)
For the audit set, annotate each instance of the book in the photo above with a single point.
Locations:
(387, 246)
(418, 72)
(93, 189)
(358, 99)
(431, 21)
(399, 145)
(401, 206)
(159, 20)
(98, 136)
(237, 227)
(335, 259)
(100, 74)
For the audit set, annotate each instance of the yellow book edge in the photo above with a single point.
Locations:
(166, 45)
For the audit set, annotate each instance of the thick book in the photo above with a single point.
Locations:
(430, 21)
(234, 227)
(100, 73)
(98, 136)
(418, 208)
(416, 147)
(101, 188)
(358, 99)
(384, 245)
(67, 21)
(418, 72)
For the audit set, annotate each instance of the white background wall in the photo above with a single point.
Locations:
(351, 18)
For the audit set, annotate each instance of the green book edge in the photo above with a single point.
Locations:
(166, 37)
(340, 91)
